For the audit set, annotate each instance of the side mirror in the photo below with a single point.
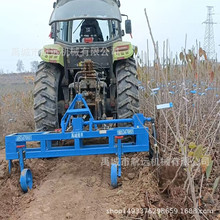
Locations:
(122, 33)
(119, 3)
(128, 28)
(54, 4)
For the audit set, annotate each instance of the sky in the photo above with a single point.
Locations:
(24, 28)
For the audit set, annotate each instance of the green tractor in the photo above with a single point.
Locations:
(87, 57)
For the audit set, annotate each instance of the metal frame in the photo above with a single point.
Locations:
(16, 144)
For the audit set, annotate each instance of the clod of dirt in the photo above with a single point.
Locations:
(168, 173)
(2, 174)
(208, 198)
(2, 170)
(131, 176)
(91, 182)
(69, 216)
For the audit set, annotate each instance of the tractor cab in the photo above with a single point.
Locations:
(93, 22)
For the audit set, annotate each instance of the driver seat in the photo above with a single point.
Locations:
(90, 30)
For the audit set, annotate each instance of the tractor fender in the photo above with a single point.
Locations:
(52, 54)
(123, 51)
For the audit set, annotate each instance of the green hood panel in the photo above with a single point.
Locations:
(123, 50)
(52, 54)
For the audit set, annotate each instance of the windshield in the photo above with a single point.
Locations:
(87, 30)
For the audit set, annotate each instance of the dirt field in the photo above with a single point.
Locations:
(72, 188)
(79, 187)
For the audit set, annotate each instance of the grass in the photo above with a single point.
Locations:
(16, 105)
(188, 133)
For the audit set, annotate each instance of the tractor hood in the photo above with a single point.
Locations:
(80, 9)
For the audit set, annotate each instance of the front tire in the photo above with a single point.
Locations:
(46, 97)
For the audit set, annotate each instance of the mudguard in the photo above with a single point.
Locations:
(123, 50)
(52, 54)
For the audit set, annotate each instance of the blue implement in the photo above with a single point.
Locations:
(114, 175)
(26, 180)
(17, 144)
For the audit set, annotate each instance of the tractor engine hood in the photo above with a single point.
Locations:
(81, 9)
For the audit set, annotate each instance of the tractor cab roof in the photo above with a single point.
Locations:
(67, 10)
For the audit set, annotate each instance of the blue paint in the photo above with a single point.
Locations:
(154, 93)
(26, 180)
(164, 106)
(114, 176)
(155, 89)
(15, 144)
(193, 91)
(209, 88)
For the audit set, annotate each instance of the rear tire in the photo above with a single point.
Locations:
(127, 89)
(46, 97)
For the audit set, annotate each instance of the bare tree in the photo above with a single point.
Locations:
(20, 66)
(34, 66)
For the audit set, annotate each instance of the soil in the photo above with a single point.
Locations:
(79, 188)
(67, 188)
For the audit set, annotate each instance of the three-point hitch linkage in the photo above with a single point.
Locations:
(83, 126)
